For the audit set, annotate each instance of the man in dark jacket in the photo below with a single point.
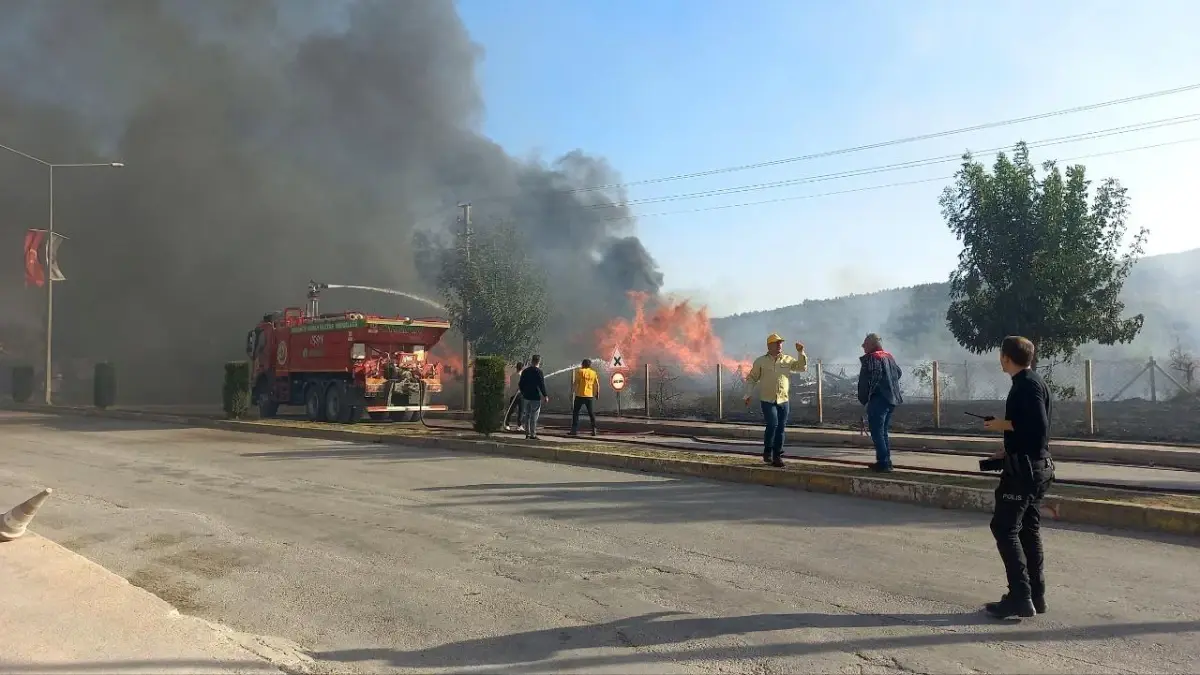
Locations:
(1027, 475)
(533, 394)
(879, 390)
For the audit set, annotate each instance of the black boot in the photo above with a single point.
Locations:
(1039, 603)
(1008, 608)
(767, 456)
(777, 458)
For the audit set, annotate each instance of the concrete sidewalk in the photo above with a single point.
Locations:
(62, 613)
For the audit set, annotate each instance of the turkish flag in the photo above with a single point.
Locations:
(35, 272)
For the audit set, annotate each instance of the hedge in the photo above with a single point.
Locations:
(104, 385)
(488, 388)
(22, 383)
(235, 395)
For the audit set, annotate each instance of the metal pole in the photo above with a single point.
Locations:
(1087, 383)
(468, 370)
(720, 395)
(50, 296)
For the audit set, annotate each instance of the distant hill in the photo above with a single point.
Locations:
(912, 321)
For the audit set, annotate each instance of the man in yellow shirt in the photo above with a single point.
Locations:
(769, 376)
(586, 388)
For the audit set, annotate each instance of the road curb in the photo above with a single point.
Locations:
(1104, 513)
(1118, 453)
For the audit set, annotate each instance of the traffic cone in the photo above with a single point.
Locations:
(13, 523)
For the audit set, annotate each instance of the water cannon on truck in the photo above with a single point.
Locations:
(341, 366)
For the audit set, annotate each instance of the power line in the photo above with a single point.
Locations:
(848, 150)
(897, 141)
(869, 188)
(899, 166)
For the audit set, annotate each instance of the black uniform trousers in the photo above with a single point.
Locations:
(1016, 525)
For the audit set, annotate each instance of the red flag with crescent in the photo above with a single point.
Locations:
(35, 272)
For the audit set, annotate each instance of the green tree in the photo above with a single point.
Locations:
(494, 292)
(1038, 259)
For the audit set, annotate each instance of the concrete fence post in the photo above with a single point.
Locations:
(1090, 413)
(937, 397)
(720, 395)
(646, 383)
(820, 393)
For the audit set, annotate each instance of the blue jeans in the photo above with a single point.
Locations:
(879, 418)
(532, 411)
(776, 416)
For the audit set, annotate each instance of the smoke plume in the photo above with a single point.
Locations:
(266, 144)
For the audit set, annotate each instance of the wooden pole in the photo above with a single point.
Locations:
(1087, 384)
(820, 394)
(937, 398)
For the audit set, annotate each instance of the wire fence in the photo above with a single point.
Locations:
(1136, 400)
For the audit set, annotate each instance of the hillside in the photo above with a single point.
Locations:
(912, 320)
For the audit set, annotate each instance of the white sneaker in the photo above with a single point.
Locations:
(521, 428)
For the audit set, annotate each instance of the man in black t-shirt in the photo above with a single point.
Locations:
(1028, 473)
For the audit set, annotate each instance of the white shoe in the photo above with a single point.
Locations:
(521, 428)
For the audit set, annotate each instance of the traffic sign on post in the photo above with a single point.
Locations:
(618, 381)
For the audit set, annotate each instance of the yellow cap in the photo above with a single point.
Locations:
(773, 338)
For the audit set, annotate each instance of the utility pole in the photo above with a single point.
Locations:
(465, 219)
(52, 272)
(50, 296)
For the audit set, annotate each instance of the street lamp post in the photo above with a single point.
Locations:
(51, 166)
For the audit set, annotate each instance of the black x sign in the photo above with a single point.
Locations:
(616, 362)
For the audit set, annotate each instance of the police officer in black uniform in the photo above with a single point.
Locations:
(1027, 474)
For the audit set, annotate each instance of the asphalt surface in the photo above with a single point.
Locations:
(378, 558)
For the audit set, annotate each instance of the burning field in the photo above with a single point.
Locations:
(668, 333)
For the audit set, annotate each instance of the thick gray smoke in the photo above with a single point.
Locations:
(266, 143)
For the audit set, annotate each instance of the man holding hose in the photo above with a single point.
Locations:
(769, 376)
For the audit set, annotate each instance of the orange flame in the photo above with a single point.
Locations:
(449, 358)
(670, 332)
(451, 363)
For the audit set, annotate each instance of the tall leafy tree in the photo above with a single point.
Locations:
(1039, 258)
(494, 291)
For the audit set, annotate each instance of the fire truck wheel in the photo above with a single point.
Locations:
(313, 405)
(337, 408)
(266, 407)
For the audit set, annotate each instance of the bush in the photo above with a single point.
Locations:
(22, 383)
(235, 395)
(104, 385)
(488, 388)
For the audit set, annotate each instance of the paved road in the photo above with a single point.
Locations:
(377, 558)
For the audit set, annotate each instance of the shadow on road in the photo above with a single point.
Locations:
(668, 628)
(646, 499)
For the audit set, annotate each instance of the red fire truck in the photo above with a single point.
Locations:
(340, 366)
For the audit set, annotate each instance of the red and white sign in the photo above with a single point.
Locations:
(617, 381)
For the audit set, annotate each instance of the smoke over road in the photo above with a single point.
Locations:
(266, 144)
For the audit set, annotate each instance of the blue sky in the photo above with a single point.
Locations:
(665, 87)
